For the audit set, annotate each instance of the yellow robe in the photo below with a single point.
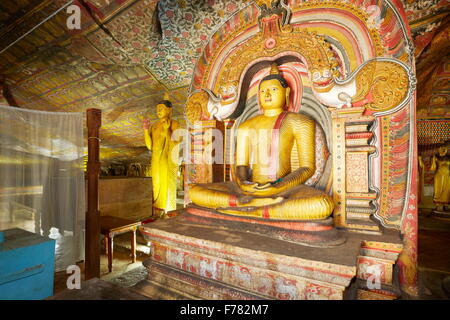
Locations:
(441, 179)
(164, 164)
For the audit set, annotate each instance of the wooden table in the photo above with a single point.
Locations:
(112, 226)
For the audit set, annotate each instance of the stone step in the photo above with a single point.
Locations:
(160, 291)
(370, 210)
(165, 282)
(367, 294)
(363, 225)
(359, 216)
(362, 221)
(157, 291)
(383, 292)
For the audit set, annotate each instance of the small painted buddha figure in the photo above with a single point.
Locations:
(264, 185)
(441, 164)
(163, 166)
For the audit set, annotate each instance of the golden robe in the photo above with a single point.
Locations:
(441, 179)
(164, 164)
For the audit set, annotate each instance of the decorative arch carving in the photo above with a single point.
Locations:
(360, 67)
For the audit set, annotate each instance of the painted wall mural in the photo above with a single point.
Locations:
(119, 61)
(186, 26)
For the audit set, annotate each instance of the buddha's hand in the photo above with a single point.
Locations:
(165, 131)
(146, 124)
(263, 186)
(268, 189)
(166, 124)
(249, 187)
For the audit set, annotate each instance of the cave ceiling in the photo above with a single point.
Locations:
(429, 21)
(127, 53)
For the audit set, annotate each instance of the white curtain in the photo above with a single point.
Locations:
(42, 178)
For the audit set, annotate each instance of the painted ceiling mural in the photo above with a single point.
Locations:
(430, 27)
(127, 53)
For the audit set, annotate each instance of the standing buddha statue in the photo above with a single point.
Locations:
(264, 185)
(441, 164)
(163, 165)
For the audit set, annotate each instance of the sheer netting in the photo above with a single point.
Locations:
(42, 186)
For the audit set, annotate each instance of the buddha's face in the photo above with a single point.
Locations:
(162, 111)
(442, 151)
(272, 95)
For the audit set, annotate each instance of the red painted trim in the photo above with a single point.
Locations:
(265, 212)
(378, 249)
(232, 202)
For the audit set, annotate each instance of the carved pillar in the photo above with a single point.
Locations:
(207, 152)
(351, 149)
(210, 157)
(359, 197)
(92, 246)
(339, 191)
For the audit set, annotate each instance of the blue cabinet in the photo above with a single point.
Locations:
(27, 265)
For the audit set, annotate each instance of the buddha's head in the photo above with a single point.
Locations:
(164, 109)
(273, 91)
(442, 151)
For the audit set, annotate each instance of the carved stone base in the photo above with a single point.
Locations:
(315, 233)
(208, 262)
(169, 283)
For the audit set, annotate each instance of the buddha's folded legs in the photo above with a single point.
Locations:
(289, 209)
(212, 195)
(225, 194)
(301, 204)
(306, 203)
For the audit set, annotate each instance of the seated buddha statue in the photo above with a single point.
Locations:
(264, 184)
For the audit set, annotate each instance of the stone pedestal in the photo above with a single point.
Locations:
(201, 262)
